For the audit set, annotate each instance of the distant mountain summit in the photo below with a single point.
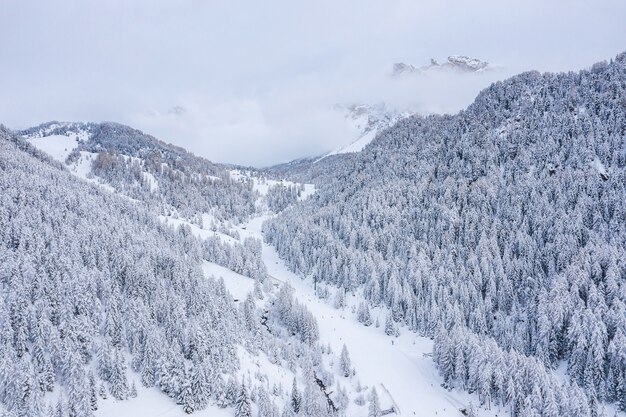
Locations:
(460, 63)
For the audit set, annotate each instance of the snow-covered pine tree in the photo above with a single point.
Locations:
(345, 362)
(296, 397)
(242, 404)
(373, 409)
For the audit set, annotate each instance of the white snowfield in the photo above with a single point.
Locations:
(57, 146)
(356, 146)
(238, 285)
(60, 146)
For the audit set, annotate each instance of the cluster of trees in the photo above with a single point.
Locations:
(97, 295)
(506, 220)
(507, 378)
(280, 196)
(244, 259)
(294, 316)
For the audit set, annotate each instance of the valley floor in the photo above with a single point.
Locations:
(400, 368)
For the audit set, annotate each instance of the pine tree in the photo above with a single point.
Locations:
(200, 387)
(185, 395)
(93, 393)
(103, 391)
(346, 364)
(364, 315)
(242, 405)
(374, 407)
(231, 391)
(61, 408)
(118, 382)
(296, 397)
(390, 326)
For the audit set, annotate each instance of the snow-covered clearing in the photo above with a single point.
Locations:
(57, 146)
(236, 284)
(201, 232)
(82, 168)
(60, 146)
(151, 402)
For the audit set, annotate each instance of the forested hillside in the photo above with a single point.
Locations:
(99, 299)
(168, 178)
(500, 231)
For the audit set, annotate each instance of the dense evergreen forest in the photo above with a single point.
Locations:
(97, 293)
(499, 231)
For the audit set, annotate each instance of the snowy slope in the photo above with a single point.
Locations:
(152, 402)
(262, 185)
(236, 284)
(400, 368)
(365, 122)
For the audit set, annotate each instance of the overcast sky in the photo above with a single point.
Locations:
(256, 82)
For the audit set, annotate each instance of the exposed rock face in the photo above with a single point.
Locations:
(455, 62)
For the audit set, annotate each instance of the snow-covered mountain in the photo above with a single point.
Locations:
(499, 232)
(365, 122)
(459, 63)
(144, 168)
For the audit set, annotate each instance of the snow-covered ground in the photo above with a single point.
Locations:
(57, 146)
(60, 146)
(151, 402)
(82, 168)
(238, 285)
(200, 232)
(357, 145)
